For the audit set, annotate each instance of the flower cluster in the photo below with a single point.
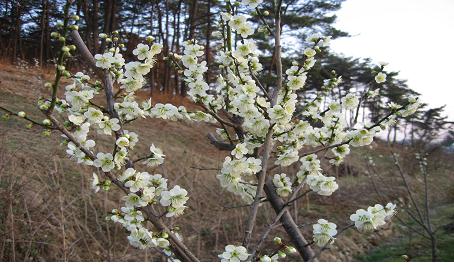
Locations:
(311, 172)
(234, 174)
(146, 189)
(239, 23)
(143, 189)
(374, 217)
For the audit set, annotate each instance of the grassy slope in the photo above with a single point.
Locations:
(416, 247)
(47, 211)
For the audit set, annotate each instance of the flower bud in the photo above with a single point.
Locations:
(290, 250)
(106, 184)
(55, 35)
(21, 114)
(46, 133)
(65, 49)
(102, 35)
(61, 39)
(72, 47)
(277, 240)
(266, 13)
(44, 106)
(74, 27)
(75, 17)
(281, 254)
(46, 122)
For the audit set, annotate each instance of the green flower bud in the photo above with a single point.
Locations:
(46, 133)
(290, 250)
(150, 39)
(282, 254)
(46, 122)
(55, 35)
(106, 185)
(44, 106)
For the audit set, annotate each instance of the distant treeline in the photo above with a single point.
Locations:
(26, 25)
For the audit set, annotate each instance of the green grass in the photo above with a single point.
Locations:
(418, 248)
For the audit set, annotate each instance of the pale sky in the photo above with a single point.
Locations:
(416, 37)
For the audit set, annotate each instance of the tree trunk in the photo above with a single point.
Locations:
(292, 229)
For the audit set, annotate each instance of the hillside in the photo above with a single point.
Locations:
(48, 212)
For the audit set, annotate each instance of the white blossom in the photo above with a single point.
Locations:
(324, 232)
(108, 125)
(282, 184)
(234, 253)
(95, 183)
(156, 157)
(175, 200)
(350, 101)
(374, 217)
(104, 161)
(240, 150)
(380, 77)
(252, 3)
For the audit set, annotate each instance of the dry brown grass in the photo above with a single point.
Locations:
(48, 212)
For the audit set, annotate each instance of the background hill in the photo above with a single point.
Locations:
(48, 212)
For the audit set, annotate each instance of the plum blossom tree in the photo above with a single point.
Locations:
(262, 127)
